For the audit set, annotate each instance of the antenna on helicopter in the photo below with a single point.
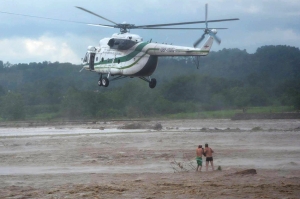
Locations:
(81, 69)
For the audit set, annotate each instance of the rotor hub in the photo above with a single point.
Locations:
(124, 28)
(214, 31)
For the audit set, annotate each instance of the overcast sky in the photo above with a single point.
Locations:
(26, 39)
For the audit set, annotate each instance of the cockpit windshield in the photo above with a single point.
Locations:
(85, 58)
(121, 44)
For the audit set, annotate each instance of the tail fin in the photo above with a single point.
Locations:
(208, 44)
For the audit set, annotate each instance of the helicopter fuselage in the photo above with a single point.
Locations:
(127, 55)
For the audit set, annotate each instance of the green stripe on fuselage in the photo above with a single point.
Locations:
(134, 53)
(125, 58)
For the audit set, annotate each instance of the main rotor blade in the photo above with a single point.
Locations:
(199, 40)
(95, 14)
(183, 23)
(101, 25)
(47, 18)
(206, 15)
(219, 20)
(180, 28)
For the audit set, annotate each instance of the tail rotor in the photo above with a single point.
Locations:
(207, 31)
(199, 40)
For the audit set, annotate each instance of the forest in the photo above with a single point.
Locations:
(225, 80)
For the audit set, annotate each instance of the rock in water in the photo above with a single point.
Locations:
(246, 172)
(157, 126)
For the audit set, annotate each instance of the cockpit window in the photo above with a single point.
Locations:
(121, 44)
(86, 57)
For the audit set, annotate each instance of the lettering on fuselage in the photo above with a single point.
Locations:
(167, 50)
(113, 52)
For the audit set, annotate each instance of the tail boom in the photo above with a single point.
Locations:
(170, 50)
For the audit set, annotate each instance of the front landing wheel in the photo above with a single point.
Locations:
(152, 83)
(105, 82)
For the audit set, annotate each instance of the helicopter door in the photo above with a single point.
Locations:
(92, 61)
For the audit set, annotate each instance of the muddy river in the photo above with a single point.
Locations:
(102, 148)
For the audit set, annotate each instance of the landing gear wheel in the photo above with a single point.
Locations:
(100, 80)
(105, 82)
(152, 83)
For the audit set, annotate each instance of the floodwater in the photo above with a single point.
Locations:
(49, 150)
(42, 131)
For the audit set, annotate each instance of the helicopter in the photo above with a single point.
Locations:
(126, 55)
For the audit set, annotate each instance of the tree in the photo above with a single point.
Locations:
(82, 104)
(2, 91)
(12, 107)
(1, 65)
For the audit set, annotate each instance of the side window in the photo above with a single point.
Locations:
(102, 59)
(96, 58)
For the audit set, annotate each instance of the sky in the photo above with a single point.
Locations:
(27, 39)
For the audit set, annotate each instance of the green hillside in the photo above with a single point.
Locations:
(226, 80)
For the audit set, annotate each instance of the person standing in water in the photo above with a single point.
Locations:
(199, 153)
(208, 153)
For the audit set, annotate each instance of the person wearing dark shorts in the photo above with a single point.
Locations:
(209, 159)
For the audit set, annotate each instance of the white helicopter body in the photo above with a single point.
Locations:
(127, 55)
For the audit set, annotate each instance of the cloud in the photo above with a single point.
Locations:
(43, 48)
(26, 39)
(276, 36)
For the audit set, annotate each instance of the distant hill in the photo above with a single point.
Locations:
(229, 78)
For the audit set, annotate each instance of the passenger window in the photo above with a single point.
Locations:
(102, 59)
(96, 58)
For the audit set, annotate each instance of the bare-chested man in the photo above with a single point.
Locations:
(208, 152)
(199, 153)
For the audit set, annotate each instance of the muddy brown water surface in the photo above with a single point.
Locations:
(101, 161)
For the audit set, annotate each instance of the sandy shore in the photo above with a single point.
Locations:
(100, 161)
